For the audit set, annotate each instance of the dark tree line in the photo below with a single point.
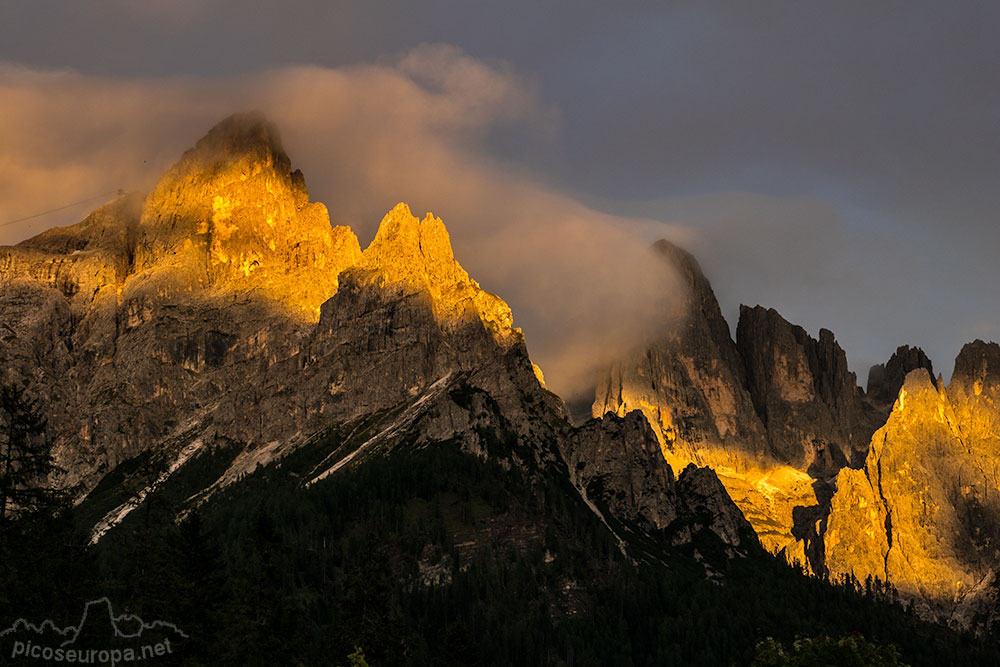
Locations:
(270, 573)
(25, 458)
(44, 560)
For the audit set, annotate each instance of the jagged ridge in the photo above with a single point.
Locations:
(233, 313)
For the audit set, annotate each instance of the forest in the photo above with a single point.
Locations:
(433, 556)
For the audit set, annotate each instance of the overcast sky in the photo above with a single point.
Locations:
(836, 161)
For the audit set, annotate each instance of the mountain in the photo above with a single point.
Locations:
(895, 484)
(774, 412)
(294, 447)
(805, 395)
(924, 511)
(223, 307)
(691, 384)
(143, 316)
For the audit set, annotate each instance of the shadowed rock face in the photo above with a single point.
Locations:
(977, 371)
(885, 380)
(617, 462)
(224, 308)
(804, 393)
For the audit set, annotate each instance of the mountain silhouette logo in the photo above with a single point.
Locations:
(100, 638)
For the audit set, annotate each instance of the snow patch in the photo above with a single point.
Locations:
(404, 420)
(117, 515)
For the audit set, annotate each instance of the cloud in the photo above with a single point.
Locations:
(413, 128)
(868, 132)
(179, 12)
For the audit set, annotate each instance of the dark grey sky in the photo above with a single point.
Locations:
(838, 161)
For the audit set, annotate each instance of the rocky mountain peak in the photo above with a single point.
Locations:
(885, 380)
(231, 215)
(406, 248)
(804, 392)
(229, 219)
(776, 354)
(416, 254)
(242, 137)
(688, 384)
(703, 310)
(921, 513)
(918, 382)
(977, 369)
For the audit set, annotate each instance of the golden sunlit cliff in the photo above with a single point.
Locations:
(231, 215)
(418, 254)
(924, 512)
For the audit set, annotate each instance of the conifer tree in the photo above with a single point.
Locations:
(25, 457)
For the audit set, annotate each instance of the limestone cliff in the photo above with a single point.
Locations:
(232, 215)
(691, 385)
(885, 380)
(150, 310)
(804, 393)
(924, 512)
(223, 313)
(417, 254)
(904, 490)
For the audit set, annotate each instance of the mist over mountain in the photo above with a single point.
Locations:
(493, 148)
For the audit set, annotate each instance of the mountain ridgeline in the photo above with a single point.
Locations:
(897, 484)
(238, 394)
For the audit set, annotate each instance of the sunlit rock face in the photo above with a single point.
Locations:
(143, 314)
(229, 217)
(417, 254)
(83, 262)
(232, 216)
(924, 512)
